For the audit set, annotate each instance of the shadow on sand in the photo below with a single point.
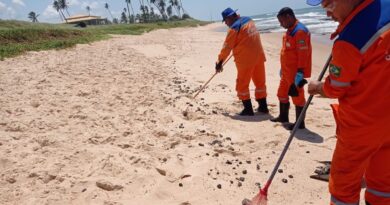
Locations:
(258, 117)
(307, 135)
(301, 134)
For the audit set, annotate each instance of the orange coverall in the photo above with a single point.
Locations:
(295, 53)
(359, 78)
(244, 39)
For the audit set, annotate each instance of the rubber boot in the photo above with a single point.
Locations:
(283, 115)
(248, 109)
(263, 107)
(298, 111)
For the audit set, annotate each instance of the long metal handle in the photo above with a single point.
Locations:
(204, 86)
(298, 122)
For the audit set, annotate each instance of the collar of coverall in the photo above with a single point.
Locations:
(235, 20)
(357, 10)
(292, 27)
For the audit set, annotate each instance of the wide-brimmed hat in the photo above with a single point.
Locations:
(228, 12)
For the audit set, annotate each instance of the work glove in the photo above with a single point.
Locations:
(299, 80)
(293, 90)
(218, 66)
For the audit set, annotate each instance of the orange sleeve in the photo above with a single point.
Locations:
(302, 40)
(228, 45)
(343, 69)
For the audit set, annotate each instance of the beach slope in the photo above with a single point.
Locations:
(113, 122)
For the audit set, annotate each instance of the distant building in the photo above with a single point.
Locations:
(88, 20)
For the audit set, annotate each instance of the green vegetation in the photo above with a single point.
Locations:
(17, 37)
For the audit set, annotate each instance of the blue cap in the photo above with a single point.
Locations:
(313, 2)
(228, 12)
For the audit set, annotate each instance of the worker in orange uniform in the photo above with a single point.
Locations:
(243, 39)
(359, 78)
(295, 59)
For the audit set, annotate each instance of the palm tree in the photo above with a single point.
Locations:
(64, 6)
(88, 9)
(158, 4)
(133, 15)
(162, 5)
(175, 4)
(33, 16)
(145, 11)
(152, 15)
(169, 11)
(57, 7)
(108, 9)
(128, 2)
(123, 16)
(181, 6)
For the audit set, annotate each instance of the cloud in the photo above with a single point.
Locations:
(11, 11)
(3, 7)
(49, 12)
(6, 12)
(92, 5)
(18, 2)
(97, 7)
(74, 2)
(50, 15)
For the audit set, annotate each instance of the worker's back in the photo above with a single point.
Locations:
(248, 48)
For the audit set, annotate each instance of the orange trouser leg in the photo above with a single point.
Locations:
(378, 176)
(300, 100)
(350, 161)
(244, 75)
(258, 77)
(284, 85)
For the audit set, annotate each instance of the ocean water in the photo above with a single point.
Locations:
(314, 18)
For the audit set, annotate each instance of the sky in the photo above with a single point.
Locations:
(199, 9)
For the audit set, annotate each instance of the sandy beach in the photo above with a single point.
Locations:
(113, 122)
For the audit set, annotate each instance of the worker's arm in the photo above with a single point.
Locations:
(228, 45)
(316, 87)
(303, 51)
(343, 70)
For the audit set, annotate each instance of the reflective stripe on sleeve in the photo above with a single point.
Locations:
(336, 83)
(337, 202)
(379, 193)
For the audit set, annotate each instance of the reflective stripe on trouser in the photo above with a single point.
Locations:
(255, 73)
(378, 176)
(284, 86)
(358, 153)
(334, 201)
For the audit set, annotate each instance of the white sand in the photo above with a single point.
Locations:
(112, 112)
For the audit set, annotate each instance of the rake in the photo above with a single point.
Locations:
(261, 197)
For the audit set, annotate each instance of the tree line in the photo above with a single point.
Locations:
(149, 11)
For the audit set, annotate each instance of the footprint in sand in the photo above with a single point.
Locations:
(16, 127)
(272, 144)
(223, 86)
